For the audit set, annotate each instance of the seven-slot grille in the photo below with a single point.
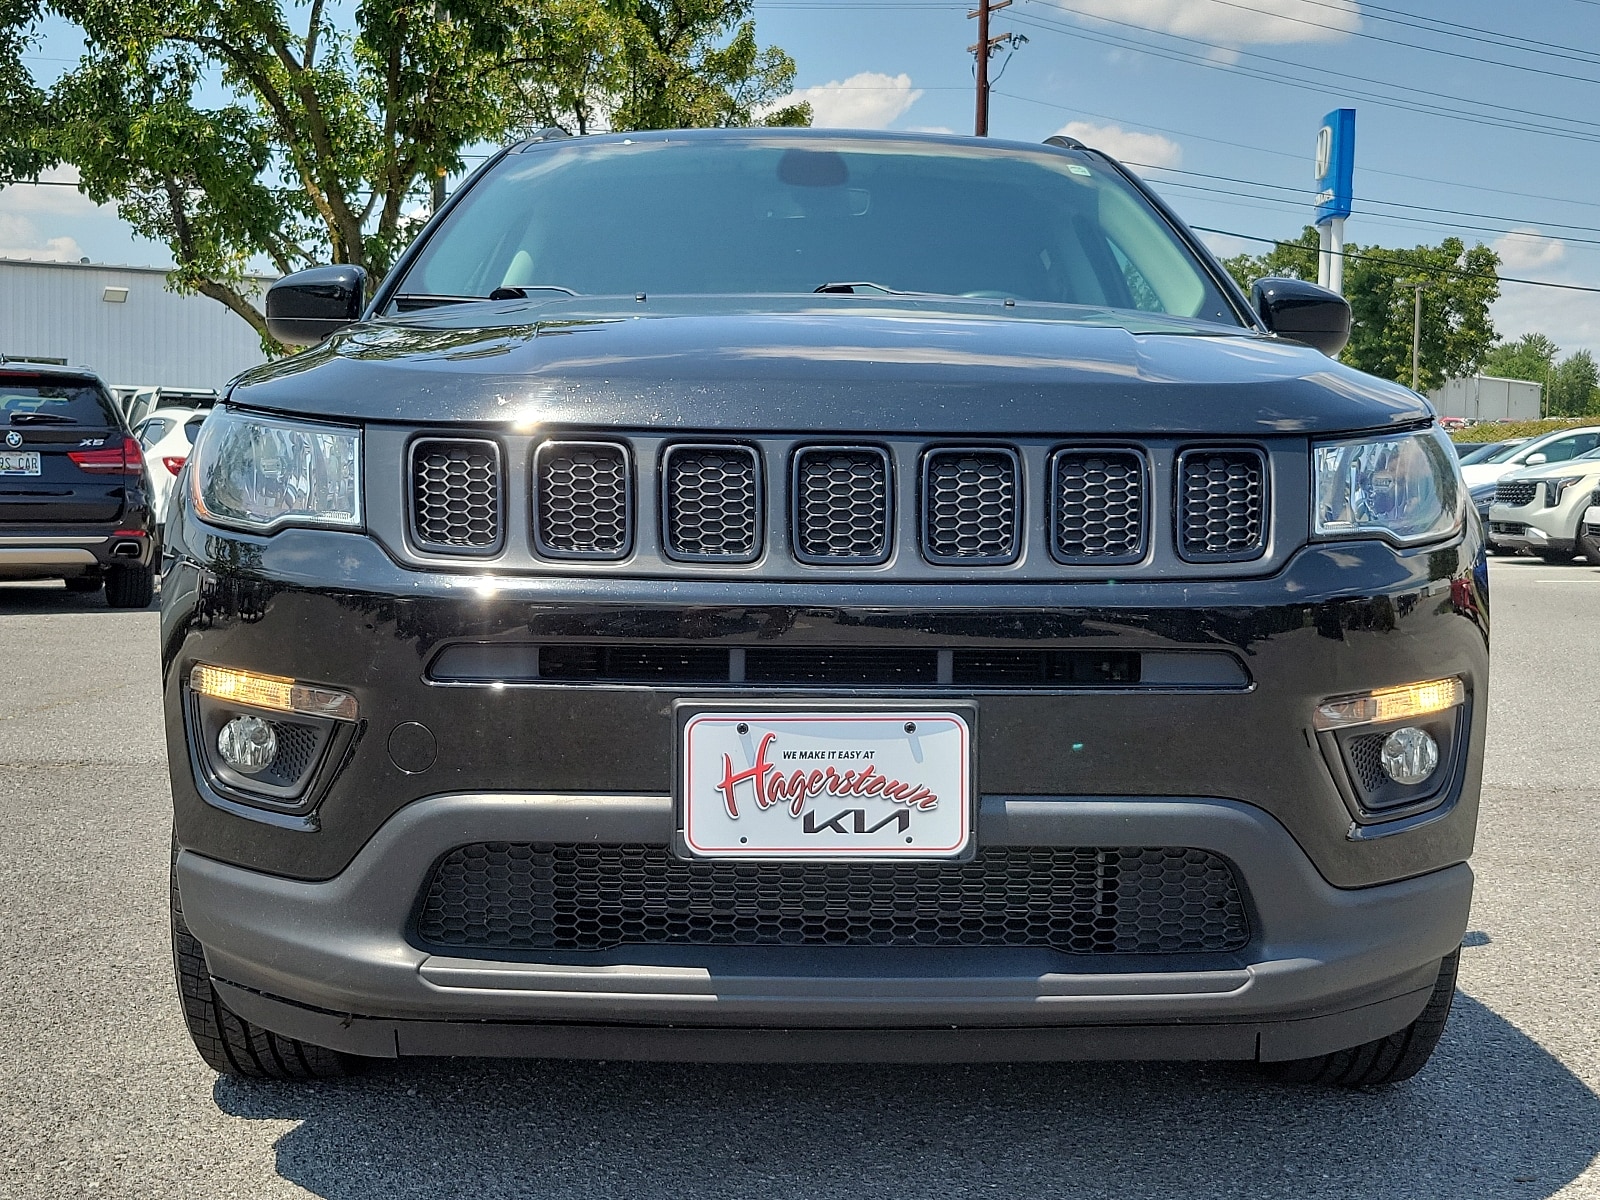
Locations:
(1515, 492)
(711, 497)
(455, 495)
(841, 504)
(581, 494)
(970, 509)
(1098, 513)
(712, 502)
(1222, 504)
(499, 896)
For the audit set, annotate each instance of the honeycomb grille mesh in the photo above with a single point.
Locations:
(1366, 757)
(519, 896)
(581, 497)
(842, 505)
(455, 496)
(1099, 506)
(971, 506)
(1222, 504)
(1515, 492)
(713, 502)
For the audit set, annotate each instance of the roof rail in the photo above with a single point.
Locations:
(1064, 142)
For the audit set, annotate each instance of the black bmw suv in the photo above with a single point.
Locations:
(74, 501)
(792, 595)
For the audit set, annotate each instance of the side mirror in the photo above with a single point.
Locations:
(307, 306)
(1303, 312)
(1535, 460)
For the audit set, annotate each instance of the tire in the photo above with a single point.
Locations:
(1589, 550)
(130, 587)
(84, 585)
(229, 1044)
(1390, 1059)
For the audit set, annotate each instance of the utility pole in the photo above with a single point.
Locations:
(1416, 338)
(982, 49)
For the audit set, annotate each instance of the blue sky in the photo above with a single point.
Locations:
(1475, 118)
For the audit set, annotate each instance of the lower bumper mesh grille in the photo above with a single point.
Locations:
(539, 896)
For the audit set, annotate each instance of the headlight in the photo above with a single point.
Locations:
(261, 473)
(1405, 487)
(1554, 489)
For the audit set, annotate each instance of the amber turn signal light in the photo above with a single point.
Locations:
(271, 692)
(1390, 704)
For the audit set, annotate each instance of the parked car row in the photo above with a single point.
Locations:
(1535, 496)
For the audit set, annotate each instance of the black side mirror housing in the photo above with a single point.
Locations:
(1303, 312)
(307, 306)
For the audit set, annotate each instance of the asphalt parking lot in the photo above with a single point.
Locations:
(101, 1093)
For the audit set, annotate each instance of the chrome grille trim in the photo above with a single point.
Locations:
(971, 505)
(842, 504)
(600, 528)
(692, 533)
(1099, 505)
(1222, 504)
(456, 491)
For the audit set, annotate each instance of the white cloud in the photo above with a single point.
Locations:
(1145, 149)
(931, 129)
(870, 100)
(20, 238)
(1524, 248)
(50, 196)
(1239, 23)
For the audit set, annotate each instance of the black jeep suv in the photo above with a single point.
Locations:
(792, 595)
(74, 502)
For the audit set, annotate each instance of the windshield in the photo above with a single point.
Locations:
(764, 215)
(1504, 452)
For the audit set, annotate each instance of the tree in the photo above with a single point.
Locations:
(1380, 282)
(1532, 356)
(326, 138)
(23, 112)
(1574, 387)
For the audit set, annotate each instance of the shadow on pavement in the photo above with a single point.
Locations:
(51, 599)
(1493, 1115)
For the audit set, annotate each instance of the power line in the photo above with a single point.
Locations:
(1514, 118)
(1400, 262)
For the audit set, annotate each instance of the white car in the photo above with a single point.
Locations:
(167, 438)
(1559, 446)
(1543, 508)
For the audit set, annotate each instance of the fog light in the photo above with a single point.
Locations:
(248, 745)
(1410, 755)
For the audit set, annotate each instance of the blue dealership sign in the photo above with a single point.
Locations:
(1336, 164)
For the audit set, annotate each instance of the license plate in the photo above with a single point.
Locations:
(826, 785)
(19, 462)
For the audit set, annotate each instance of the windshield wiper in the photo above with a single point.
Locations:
(41, 418)
(850, 288)
(520, 292)
(415, 301)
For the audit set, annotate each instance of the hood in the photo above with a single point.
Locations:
(809, 365)
(1556, 470)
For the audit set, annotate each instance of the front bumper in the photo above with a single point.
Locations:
(334, 962)
(1534, 527)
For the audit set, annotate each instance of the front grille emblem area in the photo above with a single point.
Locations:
(711, 503)
(455, 496)
(970, 508)
(842, 505)
(582, 500)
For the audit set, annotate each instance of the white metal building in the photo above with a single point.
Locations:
(1488, 398)
(122, 323)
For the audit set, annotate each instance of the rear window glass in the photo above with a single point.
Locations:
(35, 401)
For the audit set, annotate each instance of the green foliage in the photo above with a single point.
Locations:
(23, 111)
(1532, 356)
(1574, 389)
(1500, 431)
(236, 129)
(1379, 282)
